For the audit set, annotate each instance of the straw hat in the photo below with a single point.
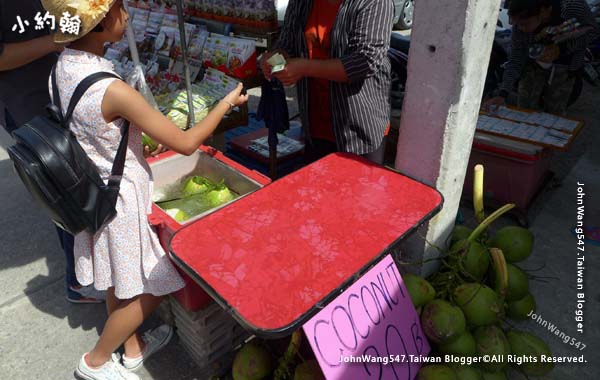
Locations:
(82, 17)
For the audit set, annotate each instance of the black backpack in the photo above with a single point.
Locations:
(59, 174)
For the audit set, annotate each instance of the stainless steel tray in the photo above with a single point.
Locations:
(173, 170)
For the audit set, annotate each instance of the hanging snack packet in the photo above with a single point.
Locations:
(170, 20)
(228, 8)
(251, 10)
(240, 50)
(155, 22)
(165, 40)
(197, 45)
(207, 51)
(221, 49)
(240, 10)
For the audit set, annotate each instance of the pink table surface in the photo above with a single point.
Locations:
(277, 256)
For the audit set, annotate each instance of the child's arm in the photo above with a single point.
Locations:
(122, 101)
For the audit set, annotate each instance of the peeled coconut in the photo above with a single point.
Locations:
(515, 242)
(474, 258)
(178, 215)
(479, 303)
(441, 321)
(460, 233)
(437, 372)
(219, 196)
(420, 290)
(468, 373)
(494, 375)
(252, 362)
(492, 341)
(462, 345)
(519, 310)
(196, 185)
(526, 344)
(309, 370)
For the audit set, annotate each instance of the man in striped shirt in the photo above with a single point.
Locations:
(544, 69)
(337, 56)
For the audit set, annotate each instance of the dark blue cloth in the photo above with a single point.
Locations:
(273, 110)
(67, 241)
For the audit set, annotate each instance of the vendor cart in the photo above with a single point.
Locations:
(277, 256)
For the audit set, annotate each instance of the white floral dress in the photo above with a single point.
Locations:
(124, 254)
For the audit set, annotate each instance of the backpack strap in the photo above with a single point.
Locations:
(80, 90)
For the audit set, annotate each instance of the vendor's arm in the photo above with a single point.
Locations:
(14, 55)
(369, 40)
(580, 10)
(519, 56)
(122, 101)
(298, 68)
(287, 43)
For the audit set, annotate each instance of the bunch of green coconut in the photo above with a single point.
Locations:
(464, 305)
(254, 361)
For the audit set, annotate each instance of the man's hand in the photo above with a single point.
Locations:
(492, 105)
(295, 70)
(550, 54)
(265, 67)
(159, 149)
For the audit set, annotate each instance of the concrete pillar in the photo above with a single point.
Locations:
(450, 48)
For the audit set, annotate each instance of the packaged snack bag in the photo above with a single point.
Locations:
(221, 50)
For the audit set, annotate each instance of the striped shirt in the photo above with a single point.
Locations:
(575, 48)
(360, 38)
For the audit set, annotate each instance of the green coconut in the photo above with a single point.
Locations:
(252, 362)
(479, 303)
(309, 370)
(442, 321)
(460, 233)
(420, 290)
(437, 372)
(464, 372)
(149, 142)
(518, 283)
(515, 242)
(526, 344)
(494, 375)
(474, 257)
(462, 345)
(492, 341)
(519, 310)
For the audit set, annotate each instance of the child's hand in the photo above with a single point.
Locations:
(159, 149)
(235, 97)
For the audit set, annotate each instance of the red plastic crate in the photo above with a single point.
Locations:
(192, 297)
(510, 176)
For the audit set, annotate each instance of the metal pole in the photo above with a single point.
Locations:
(186, 68)
(140, 80)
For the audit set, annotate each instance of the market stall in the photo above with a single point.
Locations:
(232, 233)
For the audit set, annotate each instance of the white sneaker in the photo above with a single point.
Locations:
(111, 370)
(155, 340)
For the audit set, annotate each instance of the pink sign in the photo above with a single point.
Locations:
(371, 331)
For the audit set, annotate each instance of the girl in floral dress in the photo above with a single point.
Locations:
(125, 257)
